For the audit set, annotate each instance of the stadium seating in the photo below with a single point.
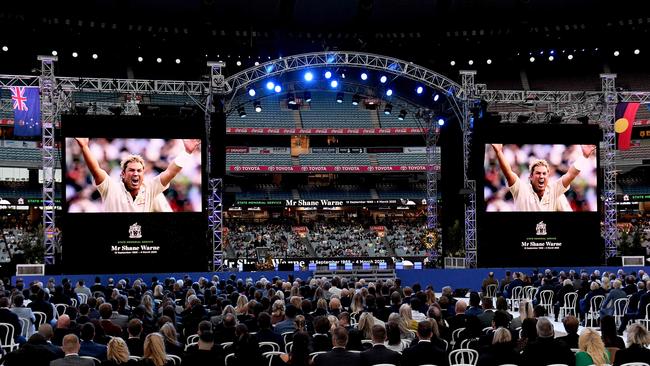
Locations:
(258, 159)
(272, 115)
(321, 159)
(25, 157)
(325, 112)
(401, 159)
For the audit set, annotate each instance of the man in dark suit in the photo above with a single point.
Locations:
(33, 353)
(265, 333)
(88, 346)
(424, 352)
(71, 349)
(8, 316)
(546, 350)
(135, 342)
(338, 355)
(379, 353)
(106, 311)
(571, 326)
(488, 312)
(47, 332)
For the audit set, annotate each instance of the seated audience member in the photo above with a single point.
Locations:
(205, 352)
(393, 338)
(33, 353)
(525, 312)
(607, 307)
(105, 312)
(638, 340)
(458, 320)
(608, 333)
(246, 347)
(88, 346)
(501, 351)
(424, 352)
(338, 355)
(488, 312)
(47, 332)
(172, 345)
(265, 333)
(63, 328)
(321, 340)
(154, 351)
(288, 324)
(379, 354)
(7, 316)
(225, 331)
(71, 350)
(546, 350)
(134, 342)
(24, 312)
(475, 308)
(571, 325)
(592, 350)
(117, 354)
(299, 353)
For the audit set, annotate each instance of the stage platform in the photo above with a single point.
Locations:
(456, 278)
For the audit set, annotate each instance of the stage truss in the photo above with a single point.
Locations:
(598, 106)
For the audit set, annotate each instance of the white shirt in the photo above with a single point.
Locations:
(117, 199)
(526, 199)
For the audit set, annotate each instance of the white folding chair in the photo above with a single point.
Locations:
(192, 339)
(175, 359)
(463, 357)
(635, 364)
(74, 303)
(25, 324)
(620, 307)
(491, 291)
(135, 358)
(274, 346)
(60, 309)
(455, 334)
(40, 317)
(645, 321)
(569, 306)
(83, 298)
(287, 347)
(515, 297)
(7, 333)
(528, 292)
(228, 357)
(269, 355)
(286, 337)
(314, 354)
(467, 343)
(546, 300)
(187, 346)
(593, 315)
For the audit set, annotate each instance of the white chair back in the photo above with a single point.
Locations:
(287, 347)
(228, 358)
(455, 334)
(269, 355)
(314, 354)
(83, 298)
(635, 364)
(620, 307)
(40, 317)
(463, 357)
(26, 324)
(546, 300)
(175, 359)
(594, 310)
(274, 346)
(491, 290)
(7, 333)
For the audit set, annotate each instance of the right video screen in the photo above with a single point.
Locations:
(540, 177)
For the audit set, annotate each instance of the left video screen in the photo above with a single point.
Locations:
(120, 175)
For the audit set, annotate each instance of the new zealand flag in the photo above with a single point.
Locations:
(27, 110)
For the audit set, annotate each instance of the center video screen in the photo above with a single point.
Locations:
(540, 177)
(127, 175)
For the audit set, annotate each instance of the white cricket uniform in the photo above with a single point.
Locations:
(117, 199)
(527, 200)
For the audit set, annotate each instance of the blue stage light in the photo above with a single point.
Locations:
(334, 84)
(389, 92)
(441, 122)
(328, 74)
(309, 76)
(383, 79)
(251, 92)
(436, 97)
(277, 88)
(270, 85)
(364, 76)
(419, 90)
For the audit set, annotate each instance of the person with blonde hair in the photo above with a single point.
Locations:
(404, 331)
(638, 339)
(242, 305)
(277, 311)
(525, 312)
(170, 337)
(501, 351)
(592, 349)
(366, 322)
(154, 351)
(406, 316)
(117, 353)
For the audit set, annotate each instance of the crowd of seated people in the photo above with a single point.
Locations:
(280, 239)
(406, 238)
(341, 240)
(311, 322)
(16, 232)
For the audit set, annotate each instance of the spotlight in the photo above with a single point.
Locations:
(551, 58)
(436, 97)
(570, 57)
(257, 63)
(95, 56)
(334, 84)
(309, 76)
(470, 62)
(402, 115)
(356, 99)
(364, 76)
(270, 85)
(277, 88)
(251, 92)
(258, 106)
(452, 63)
(5, 48)
(178, 61)
(140, 59)
(291, 99)
(328, 74)
(616, 53)
(238, 63)
(307, 97)
(383, 79)
(75, 55)
(339, 97)
(388, 109)
(441, 121)
(242, 112)
(342, 75)
(489, 61)
(636, 52)
(159, 60)
(389, 92)
(419, 90)
(54, 53)
(532, 59)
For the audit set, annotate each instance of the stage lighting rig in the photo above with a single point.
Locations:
(388, 109)
(339, 97)
(242, 112)
(307, 97)
(258, 106)
(402, 115)
(356, 99)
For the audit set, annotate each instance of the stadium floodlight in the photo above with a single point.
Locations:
(178, 61)
(238, 63)
(419, 90)
(356, 99)
(402, 115)
(339, 97)
(258, 106)
(307, 97)
(159, 60)
(270, 85)
(140, 59)
(388, 108)
(551, 58)
(637, 51)
(291, 99)
(95, 56)
(532, 59)
(441, 121)
(241, 111)
(309, 76)
(383, 79)
(251, 92)
(334, 84)
(452, 63)
(470, 62)
(5, 48)
(616, 53)
(328, 74)
(436, 97)
(54, 53)
(257, 63)
(75, 54)
(364, 76)
(570, 57)
(277, 88)
(489, 61)
(389, 92)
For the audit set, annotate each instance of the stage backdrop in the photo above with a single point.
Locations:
(515, 226)
(106, 229)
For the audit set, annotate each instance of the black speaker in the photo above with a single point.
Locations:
(285, 267)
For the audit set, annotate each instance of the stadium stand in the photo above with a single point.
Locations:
(325, 112)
